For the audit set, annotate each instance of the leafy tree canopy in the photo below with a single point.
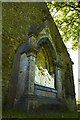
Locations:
(66, 17)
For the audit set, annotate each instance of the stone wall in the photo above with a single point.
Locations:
(17, 19)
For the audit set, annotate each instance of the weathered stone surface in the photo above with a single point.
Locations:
(45, 49)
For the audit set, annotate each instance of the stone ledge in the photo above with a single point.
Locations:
(44, 88)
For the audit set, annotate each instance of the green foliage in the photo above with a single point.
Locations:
(66, 17)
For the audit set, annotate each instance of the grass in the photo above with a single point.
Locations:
(14, 114)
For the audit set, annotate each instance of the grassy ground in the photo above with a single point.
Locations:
(13, 114)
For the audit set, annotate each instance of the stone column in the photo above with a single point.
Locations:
(59, 82)
(30, 78)
(24, 98)
(31, 74)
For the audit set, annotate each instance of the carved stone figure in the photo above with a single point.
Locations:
(42, 77)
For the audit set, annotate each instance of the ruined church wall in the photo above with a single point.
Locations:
(17, 18)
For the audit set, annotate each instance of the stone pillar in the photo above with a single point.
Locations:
(31, 55)
(31, 74)
(59, 82)
(24, 98)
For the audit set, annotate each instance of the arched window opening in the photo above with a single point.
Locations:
(44, 68)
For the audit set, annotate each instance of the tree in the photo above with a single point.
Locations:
(66, 16)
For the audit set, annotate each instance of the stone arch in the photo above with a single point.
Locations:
(46, 56)
(48, 51)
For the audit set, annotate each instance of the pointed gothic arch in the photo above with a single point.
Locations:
(46, 57)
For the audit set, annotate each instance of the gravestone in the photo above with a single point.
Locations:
(40, 80)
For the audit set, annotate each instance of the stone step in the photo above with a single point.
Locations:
(49, 100)
(47, 104)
